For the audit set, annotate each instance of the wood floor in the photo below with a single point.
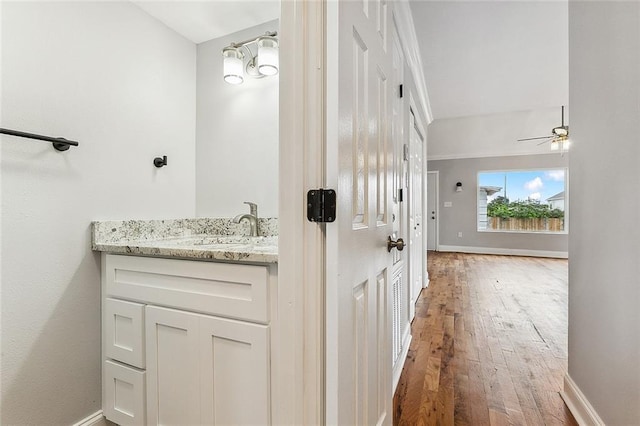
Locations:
(489, 344)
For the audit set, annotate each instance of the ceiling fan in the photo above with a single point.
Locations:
(559, 137)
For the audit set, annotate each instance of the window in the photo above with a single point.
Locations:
(522, 201)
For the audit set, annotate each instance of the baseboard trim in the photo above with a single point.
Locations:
(579, 405)
(95, 419)
(505, 251)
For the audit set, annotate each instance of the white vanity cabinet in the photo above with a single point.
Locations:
(187, 342)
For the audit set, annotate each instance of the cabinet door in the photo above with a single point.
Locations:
(234, 366)
(173, 380)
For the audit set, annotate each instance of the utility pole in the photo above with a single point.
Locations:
(505, 188)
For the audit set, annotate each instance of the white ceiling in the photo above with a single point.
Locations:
(200, 21)
(487, 57)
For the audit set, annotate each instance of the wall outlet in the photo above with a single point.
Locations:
(459, 234)
(448, 203)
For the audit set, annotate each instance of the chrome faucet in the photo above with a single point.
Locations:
(252, 217)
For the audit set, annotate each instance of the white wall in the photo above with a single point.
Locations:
(123, 85)
(604, 295)
(493, 135)
(237, 135)
(462, 216)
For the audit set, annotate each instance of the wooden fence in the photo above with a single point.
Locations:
(526, 224)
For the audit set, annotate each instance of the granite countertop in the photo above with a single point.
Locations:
(203, 239)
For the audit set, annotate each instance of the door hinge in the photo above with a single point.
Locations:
(321, 205)
(401, 90)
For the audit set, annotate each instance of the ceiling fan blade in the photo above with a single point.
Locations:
(545, 141)
(532, 139)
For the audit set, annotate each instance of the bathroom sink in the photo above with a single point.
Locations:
(229, 241)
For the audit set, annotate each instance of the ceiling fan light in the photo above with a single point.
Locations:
(558, 139)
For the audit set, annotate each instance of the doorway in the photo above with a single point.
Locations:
(432, 210)
(417, 254)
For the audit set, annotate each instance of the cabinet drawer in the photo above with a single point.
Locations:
(124, 394)
(123, 325)
(225, 289)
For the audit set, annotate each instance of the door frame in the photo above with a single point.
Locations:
(299, 336)
(302, 270)
(416, 125)
(422, 130)
(436, 173)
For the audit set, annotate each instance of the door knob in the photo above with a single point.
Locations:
(397, 244)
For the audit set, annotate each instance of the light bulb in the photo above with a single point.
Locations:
(233, 66)
(555, 145)
(566, 144)
(268, 55)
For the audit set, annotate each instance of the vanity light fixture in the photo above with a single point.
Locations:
(268, 55)
(233, 66)
(261, 64)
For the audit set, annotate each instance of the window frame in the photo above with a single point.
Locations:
(565, 230)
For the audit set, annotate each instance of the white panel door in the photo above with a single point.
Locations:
(358, 334)
(416, 244)
(234, 366)
(399, 286)
(173, 378)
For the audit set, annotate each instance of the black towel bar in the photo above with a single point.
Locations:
(61, 144)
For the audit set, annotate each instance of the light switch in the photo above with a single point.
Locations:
(448, 204)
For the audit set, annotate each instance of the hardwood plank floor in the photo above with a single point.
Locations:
(489, 344)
